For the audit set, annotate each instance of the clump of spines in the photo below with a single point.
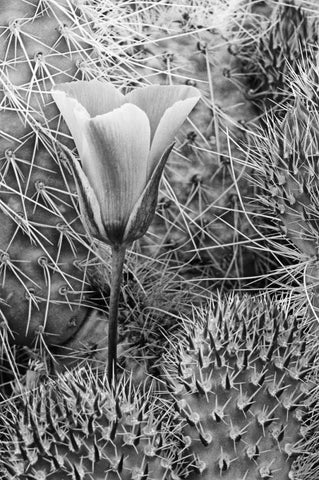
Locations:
(240, 374)
(280, 63)
(78, 425)
(269, 47)
(283, 162)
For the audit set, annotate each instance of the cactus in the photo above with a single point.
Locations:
(238, 400)
(276, 50)
(282, 157)
(271, 46)
(42, 245)
(237, 380)
(77, 426)
(240, 373)
(283, 161)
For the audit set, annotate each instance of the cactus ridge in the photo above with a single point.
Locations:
(240, 374)
(78, 426)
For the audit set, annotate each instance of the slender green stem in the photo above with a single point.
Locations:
(118, 256)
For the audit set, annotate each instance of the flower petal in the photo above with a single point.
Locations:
(144, 209)
(95, 96)
(89, 206)
(117, 167)
(156, 99)
(170, 123)
(74, 114)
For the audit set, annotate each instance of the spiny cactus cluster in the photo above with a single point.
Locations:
(287, 178)
(237, 401)
(270, 47)
(78, 427)
(236, 397)
(283, 154)
(240, 374)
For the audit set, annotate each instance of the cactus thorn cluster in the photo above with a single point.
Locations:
(270, 46)
(78, 426)
(240, 374)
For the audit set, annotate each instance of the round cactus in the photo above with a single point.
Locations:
(77, 426)
(241, 373)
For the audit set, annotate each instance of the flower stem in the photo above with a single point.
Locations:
(118, 256)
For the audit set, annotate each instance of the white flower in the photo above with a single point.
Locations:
(123, 142)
